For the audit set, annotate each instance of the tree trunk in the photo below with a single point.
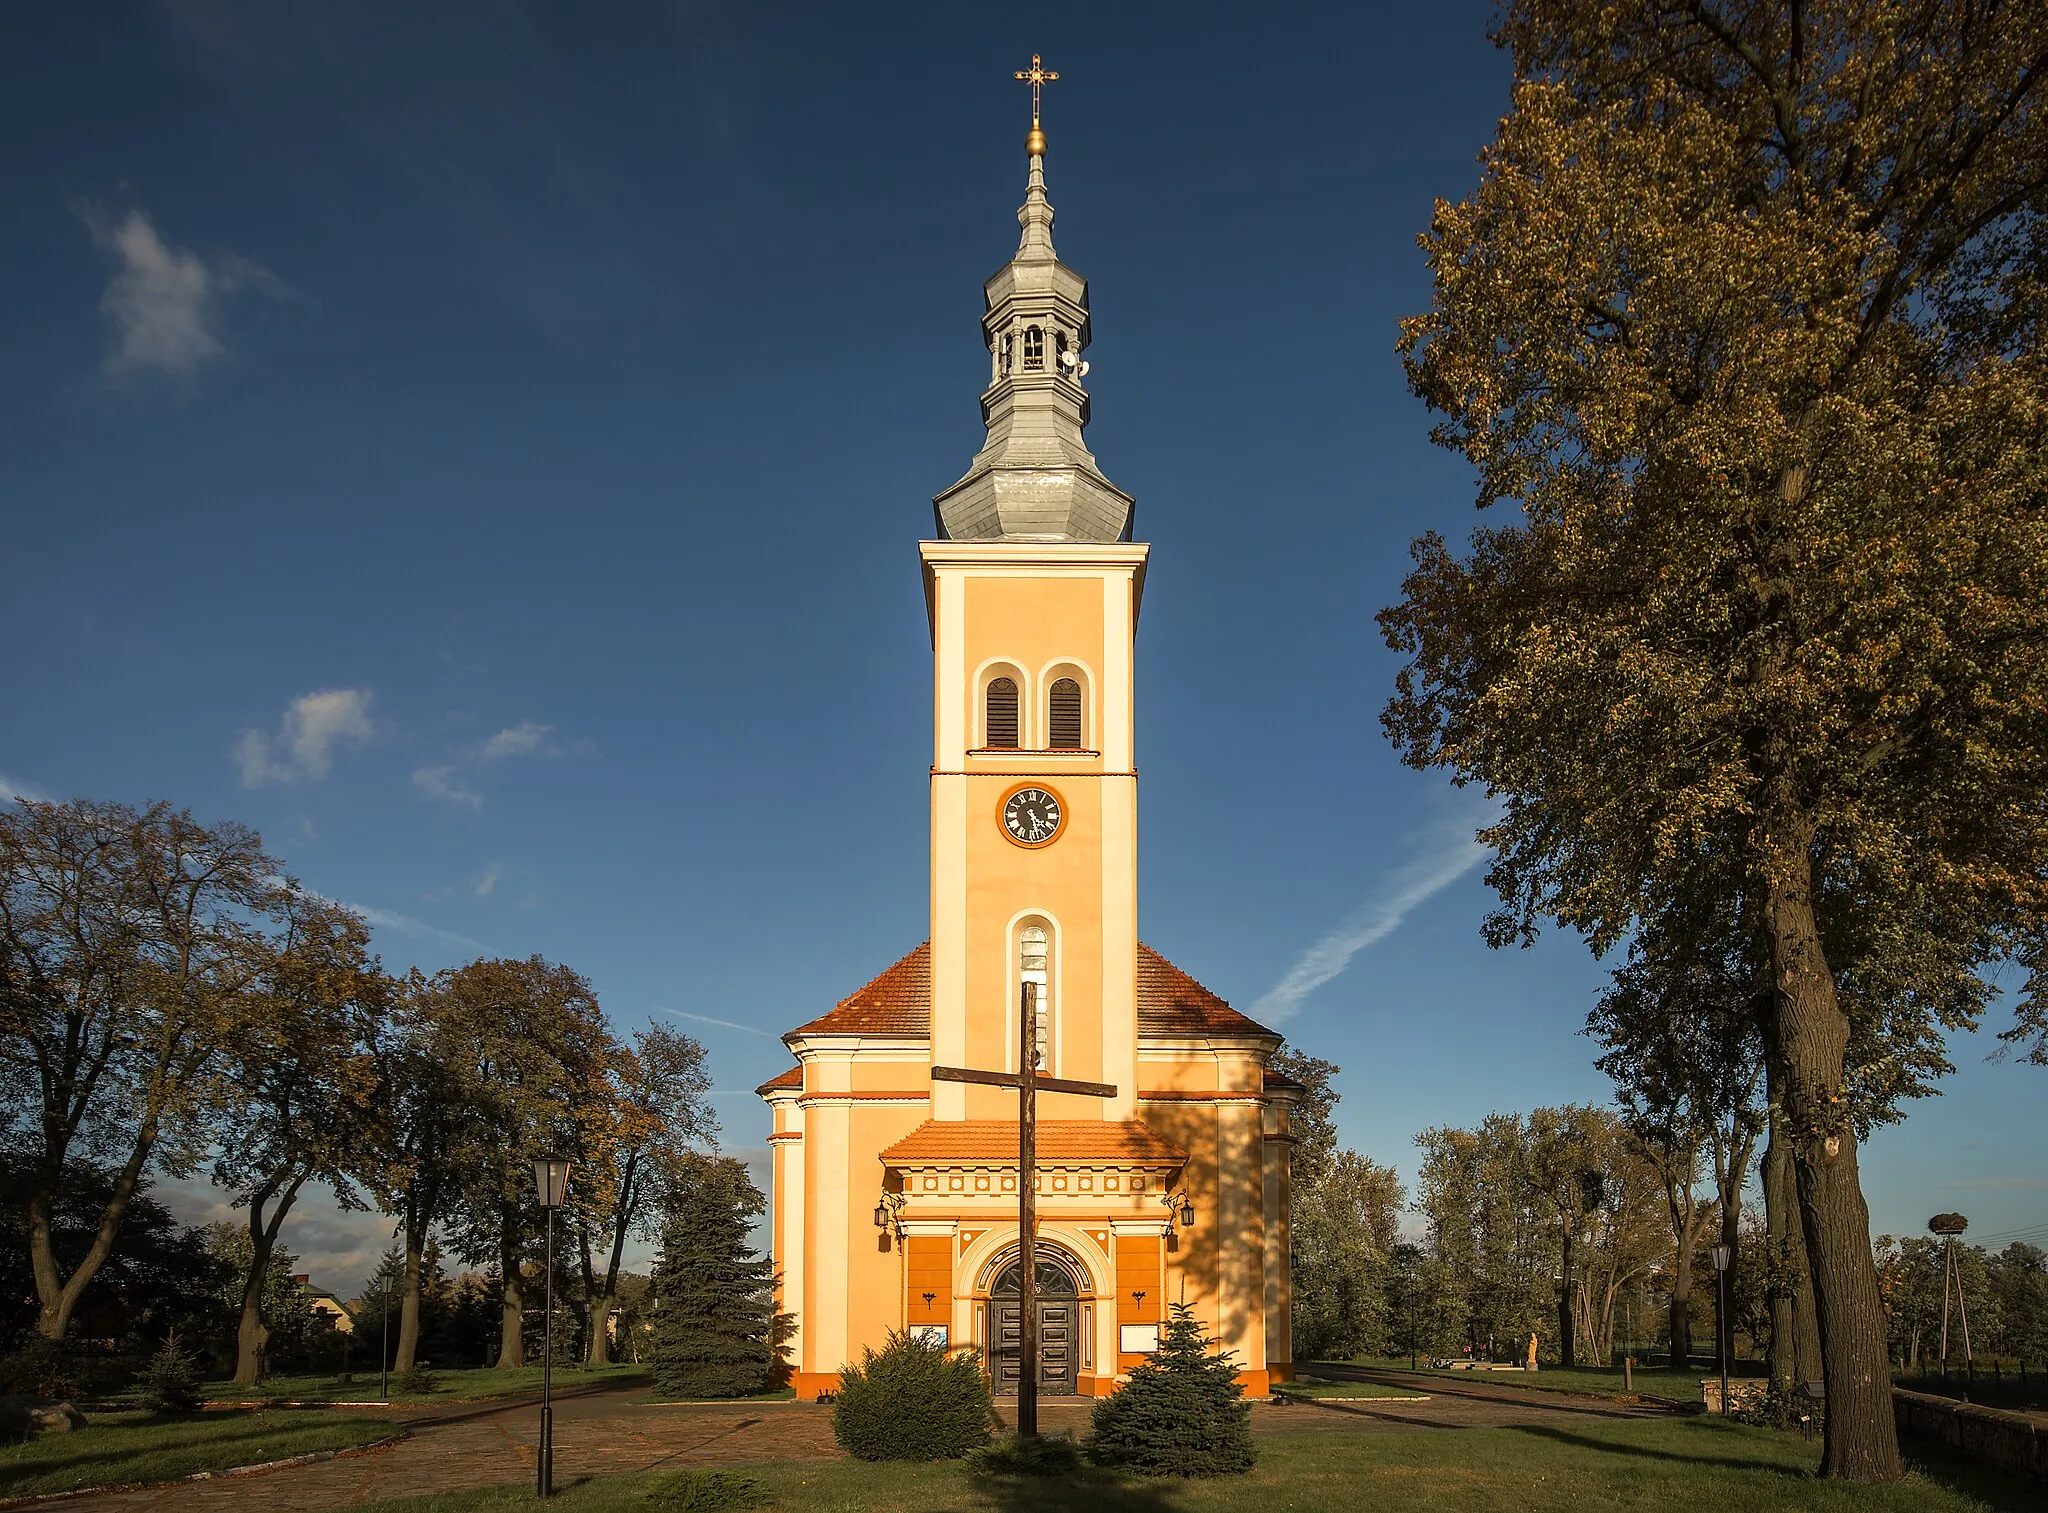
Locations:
(252, 1333)
(1813, 1035)
(1681, 1323)
(1567, 1356)
(409, 1303)
(512, 1315)
(56, 1297)
(1781, 1224)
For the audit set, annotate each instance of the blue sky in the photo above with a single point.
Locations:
(483, 447)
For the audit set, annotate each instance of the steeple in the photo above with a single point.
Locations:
(1034, 478)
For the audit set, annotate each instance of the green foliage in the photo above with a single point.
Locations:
(159, 1277)
(912, 1401)
(416, 1380)
(1181, 1414)
(171, 1384)
(702, 1492)
(1045, 1455)
(1345, 1215)
(40, 1368)
(714, 1308)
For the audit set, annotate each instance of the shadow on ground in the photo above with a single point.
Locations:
(1645, 1452)
(1087, 1490)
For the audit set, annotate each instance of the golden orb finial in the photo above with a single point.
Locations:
(1037, 76)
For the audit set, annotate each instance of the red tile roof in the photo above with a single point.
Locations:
(995, 1140)
(1283, 1082)
(794, 1077)
(1172, 1003)
(899, 1002)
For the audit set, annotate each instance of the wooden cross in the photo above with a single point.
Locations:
(1037, 76)
(1027, 1082)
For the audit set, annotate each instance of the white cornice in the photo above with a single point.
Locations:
(1034, 553)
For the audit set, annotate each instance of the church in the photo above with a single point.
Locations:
(895, 1203)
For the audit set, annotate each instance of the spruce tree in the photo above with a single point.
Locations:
(713, 1297)
(1181, 1414)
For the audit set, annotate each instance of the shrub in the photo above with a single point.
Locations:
(1053, 1455)
(171, 1382)
(1182, 1412)
(702, 1492)
(913, 1401)
(416, 1379)
(41, 1368)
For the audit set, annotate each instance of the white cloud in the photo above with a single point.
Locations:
(446, 781)
(162, 303)
(10, 790)
(1444, 855)
(483, 885)
(522, 739)
(303, 748)
(443, 783)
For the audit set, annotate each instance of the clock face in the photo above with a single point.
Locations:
(1032, 816)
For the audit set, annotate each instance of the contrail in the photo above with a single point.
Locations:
(723, 1024)
(1452, 855)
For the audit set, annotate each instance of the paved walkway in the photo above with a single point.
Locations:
(608, 1433)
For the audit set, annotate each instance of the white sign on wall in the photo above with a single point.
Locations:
(930, 1334)
(1137, 1339)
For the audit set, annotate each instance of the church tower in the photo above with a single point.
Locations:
(895, 1201)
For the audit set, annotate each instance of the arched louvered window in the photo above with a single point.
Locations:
(1002, 713)
(1034, 347)
(1066, 715)
(1031, 968)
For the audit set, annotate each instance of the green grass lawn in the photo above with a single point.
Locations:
(451, 1386)
(1312, 1386)
(116, 1448)
(773, 1395)
(1654, 1381)
(1656, 1465)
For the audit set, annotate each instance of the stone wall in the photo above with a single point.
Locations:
(2014, 1441)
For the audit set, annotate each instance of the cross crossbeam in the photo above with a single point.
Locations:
(1028, 1084)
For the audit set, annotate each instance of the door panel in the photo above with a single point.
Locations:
(1056, 1353)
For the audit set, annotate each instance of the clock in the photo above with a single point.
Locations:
(1032, 816)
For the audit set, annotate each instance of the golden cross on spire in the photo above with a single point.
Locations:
(1038, 76)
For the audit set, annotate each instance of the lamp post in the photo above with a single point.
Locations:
(1723, 1255)
(551, 1181)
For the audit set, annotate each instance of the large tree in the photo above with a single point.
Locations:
(301, 1085)
(533, 1062)
(1745, 319)
(132, 947)
(1344, 1213)
(641, 1140)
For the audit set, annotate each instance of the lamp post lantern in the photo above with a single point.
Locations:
(551, 1183)
(1724, 1255)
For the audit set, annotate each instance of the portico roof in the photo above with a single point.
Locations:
(994, 1142)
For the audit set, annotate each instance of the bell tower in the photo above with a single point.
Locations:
(1033, 589)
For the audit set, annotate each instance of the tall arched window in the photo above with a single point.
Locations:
(1066, 715)
(1031, 964)
(1034, 347)
(1002, 713)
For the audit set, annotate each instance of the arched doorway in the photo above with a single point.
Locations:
(1059, 1326)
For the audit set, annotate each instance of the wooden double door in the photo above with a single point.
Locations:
(1059, 1326)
